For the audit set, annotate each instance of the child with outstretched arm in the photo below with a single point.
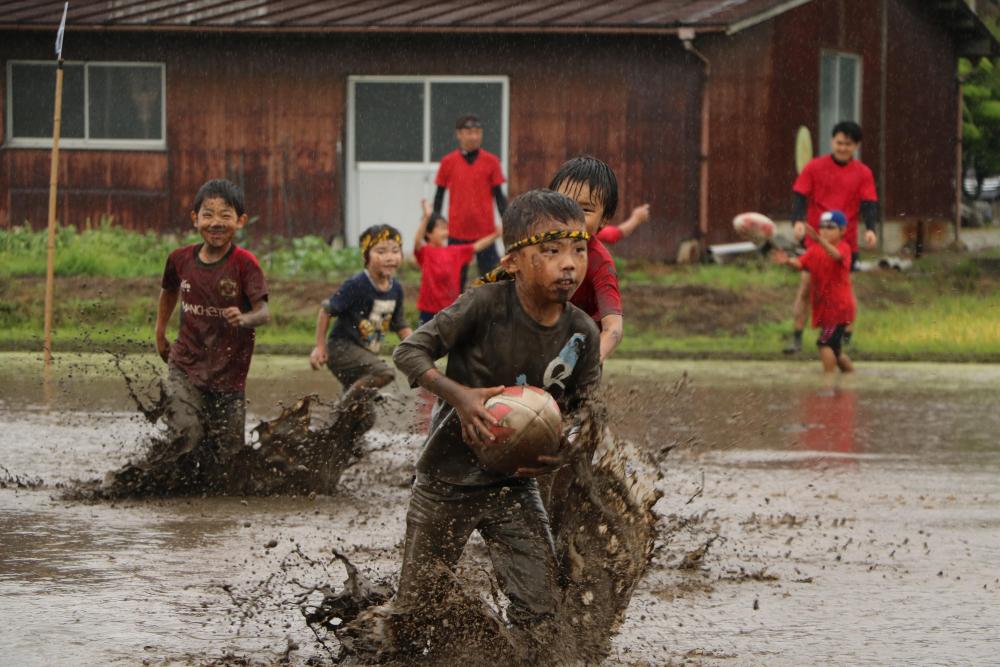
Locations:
(828, 262)
(592, 184)
(441, 264)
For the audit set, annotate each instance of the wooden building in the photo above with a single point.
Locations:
(333, 114)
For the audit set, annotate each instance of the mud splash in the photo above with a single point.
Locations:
(295, 453)
(604, 530)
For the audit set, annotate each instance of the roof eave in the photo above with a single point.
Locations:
(404, 30)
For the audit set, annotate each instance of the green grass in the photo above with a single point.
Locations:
(109, 251)
(944, 309)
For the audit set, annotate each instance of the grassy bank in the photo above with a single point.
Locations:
(945, 309)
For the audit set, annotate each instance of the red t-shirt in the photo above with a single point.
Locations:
(610, 235)
(598, 294)
(830, 283)
(470, 193)
(833, 187)
(440, 279)
(214, 354)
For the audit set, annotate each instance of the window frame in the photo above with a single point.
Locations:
(86, 143)
(824, 132)
(427, 80)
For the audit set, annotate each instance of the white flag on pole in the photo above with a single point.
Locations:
(62, 31)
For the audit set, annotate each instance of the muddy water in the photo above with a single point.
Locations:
(846, 523)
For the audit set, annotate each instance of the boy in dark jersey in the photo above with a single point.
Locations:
(828, 261)
(511, 332)
(593, 185)
(223, 298)
(367, 306)
(834, 182)
(441, 264)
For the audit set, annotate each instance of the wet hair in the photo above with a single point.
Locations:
(220, 188)
(432, 222)
(596, 174)
(375, 234)
(536, 206)
(468, 121)
(849, 128)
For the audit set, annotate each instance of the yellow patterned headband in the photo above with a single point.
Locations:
(499, 273)
(535, 239)
(384, 234)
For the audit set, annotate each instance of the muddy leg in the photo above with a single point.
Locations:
(183, 414)
(799, 313)
(517, 533)
(439, 521)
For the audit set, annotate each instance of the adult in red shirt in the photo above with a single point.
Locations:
(472, 176)
(833, 182)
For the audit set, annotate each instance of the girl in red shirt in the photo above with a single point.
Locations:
(441, 264)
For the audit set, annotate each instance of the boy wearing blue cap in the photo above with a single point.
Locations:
(828, 262)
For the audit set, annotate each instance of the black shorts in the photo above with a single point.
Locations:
(832, 337)
(854, 260)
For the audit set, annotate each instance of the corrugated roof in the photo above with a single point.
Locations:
(393, 15)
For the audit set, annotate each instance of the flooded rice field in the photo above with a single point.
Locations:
(803, 520)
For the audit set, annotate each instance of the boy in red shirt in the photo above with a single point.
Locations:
(592, 184)
(472, 176)
(223, 297)
(828, 261)
(833, 182)
(440, 263)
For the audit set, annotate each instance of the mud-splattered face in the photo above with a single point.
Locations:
(550, 271)
(217, 222)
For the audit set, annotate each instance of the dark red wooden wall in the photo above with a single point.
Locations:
(269, 113)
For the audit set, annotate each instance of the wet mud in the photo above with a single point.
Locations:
(799, 523)
(297, 452)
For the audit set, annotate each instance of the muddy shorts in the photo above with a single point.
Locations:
(513, 523)
(832, 337)
(349, 362)
(198, 417)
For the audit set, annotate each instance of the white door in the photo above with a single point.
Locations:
(398, 129)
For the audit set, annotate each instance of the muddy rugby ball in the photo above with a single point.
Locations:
(754, 226)
(530, 426)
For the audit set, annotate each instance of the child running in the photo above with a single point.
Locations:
(520, 331)
(223, 298)
(366, 306)
(592, 184)
(828, 262)
(441, 264)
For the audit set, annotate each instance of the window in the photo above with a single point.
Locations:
(412, 119)
(104, 105)
(839, 92)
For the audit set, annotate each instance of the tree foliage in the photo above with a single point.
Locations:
(981, 113)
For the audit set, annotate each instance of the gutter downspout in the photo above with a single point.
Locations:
(687, 35)
(883, 130)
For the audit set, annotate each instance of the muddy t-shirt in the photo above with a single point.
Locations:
(365, 313)
(491, 341)
(214, 354)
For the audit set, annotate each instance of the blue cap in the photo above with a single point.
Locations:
(834, 216)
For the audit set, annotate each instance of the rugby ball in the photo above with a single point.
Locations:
(754, 226)
(530, 425)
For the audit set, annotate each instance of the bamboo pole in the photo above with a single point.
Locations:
(50, 264)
